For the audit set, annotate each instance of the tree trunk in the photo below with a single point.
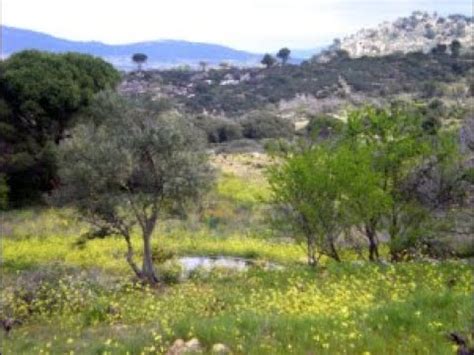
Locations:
(311, 251)
(148, 270)
(333, 251)
(373, 246)
(393, 231)
(129, 258)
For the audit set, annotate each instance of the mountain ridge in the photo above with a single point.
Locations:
(161, 53)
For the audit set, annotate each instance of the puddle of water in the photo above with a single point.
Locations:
(191, 263)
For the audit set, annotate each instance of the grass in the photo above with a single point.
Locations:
(82, 300)
(407, 308)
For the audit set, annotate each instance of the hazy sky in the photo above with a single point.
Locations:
(255, 25)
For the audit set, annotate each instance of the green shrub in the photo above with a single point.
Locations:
(260, 125)
(170, 272)
(161, 255)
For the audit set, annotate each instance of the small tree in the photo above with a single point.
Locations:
(134, 168)
(404, 150)
(308, 193)
(326, 191)
(203, 65)
(284, 54)
(455, 48)
(139, 59)
(364, 200)
(268, 60)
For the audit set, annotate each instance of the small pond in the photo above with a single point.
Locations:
(191, 263)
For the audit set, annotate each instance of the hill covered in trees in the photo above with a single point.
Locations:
(233, 91)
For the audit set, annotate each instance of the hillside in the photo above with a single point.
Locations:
(235, 91)
(164, 53)
(378, 64)
(419, 32)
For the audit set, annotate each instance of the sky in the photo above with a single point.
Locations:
(253, 25)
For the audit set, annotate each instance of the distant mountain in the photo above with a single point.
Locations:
(164, 53)
(419, 32)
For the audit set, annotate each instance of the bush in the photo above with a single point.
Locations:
(31, 294)
(219, 130)
(323, 127)
(161, 255)
(259, 125)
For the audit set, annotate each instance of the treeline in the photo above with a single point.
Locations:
(40, 96)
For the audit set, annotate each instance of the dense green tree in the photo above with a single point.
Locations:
(139, 59)
(40, 94)
(268, 60)
(284, 54)
(134, 168)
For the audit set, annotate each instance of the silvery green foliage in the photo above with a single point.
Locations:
(133, 168)
(135, 160)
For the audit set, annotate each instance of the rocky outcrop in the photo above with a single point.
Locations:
(419, 32)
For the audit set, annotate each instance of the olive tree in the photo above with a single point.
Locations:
(134, 168)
